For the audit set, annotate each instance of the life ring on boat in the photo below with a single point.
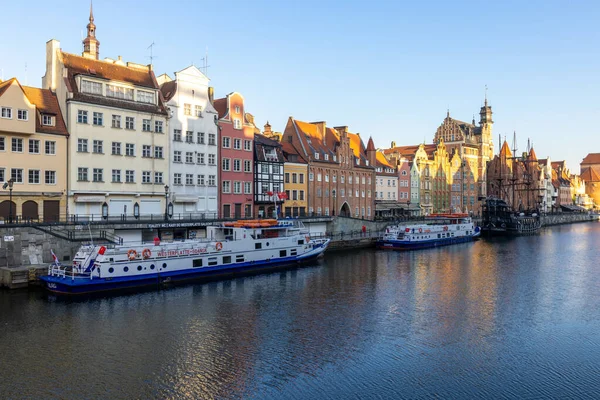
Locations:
(146, 253)
(445, 228)
(131, 254)
(420, 230)
(407, 230)
(219, 246)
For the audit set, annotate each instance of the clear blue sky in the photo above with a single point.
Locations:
(389, 69)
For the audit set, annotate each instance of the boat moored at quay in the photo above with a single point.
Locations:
(228, 249)
(439, 230)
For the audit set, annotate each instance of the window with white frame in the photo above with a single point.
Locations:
(200, 180)
(129, 123)
(237, 123)
(116, 148)
(158, 126)
(200, 158)
(226, 164)
(119, 92)
(226, 188)
(237, 144)
(82, 174)
(34, 176)
(212, 180)
(311, 176)
(247, 166)
(237, 165)
(47, 120)
(146, 151)
(226, 142)
(198, 110)
(187, 109)
(50, 177)
(212, 139)
(116, 176)
(189, 136)
(248, 145)
(145, 97)
(17, 145)
(319, 177)
(82, 117)
(130, 149)
(82, 145)
(98, 118)
(146, 177)
(146, 125)
(116, 121)
(247, 188)
(98, 175)
(158, 177)
(212, 159)
(34, 146)
(91, 87)
(22, 115)
(237, 187)
(129, 176)
(158, 152)
(97, 147)
(177, 179)
(16, 174)
(189, 157)
(189, 179)
(200, 137)
(6, 112)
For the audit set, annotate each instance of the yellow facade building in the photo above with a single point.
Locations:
(33, 154)
(296, 189)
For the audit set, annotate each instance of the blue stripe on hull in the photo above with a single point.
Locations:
(82, 286)
(417, 245)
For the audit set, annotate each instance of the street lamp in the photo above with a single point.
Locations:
(9, 184)
(166, 202)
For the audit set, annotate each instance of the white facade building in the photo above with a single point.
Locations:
(193, 133)
(118, 145)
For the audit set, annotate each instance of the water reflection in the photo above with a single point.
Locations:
(453, 322)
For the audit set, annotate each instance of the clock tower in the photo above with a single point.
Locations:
(91, 45)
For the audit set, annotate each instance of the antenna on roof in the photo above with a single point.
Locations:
(205, 63)
(152, 56)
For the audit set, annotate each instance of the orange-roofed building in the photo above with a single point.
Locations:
(119, 142)
(33, 154)
(590, 173)
(341, 180)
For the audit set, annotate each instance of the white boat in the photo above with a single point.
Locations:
(229, 249)
(439, 230)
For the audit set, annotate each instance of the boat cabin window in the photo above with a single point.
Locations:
(439, 235)
(226, 259)
(300, 242)
(257, 246)
(293, 252)
(282, 253)
(212, 261)
(197, 263)
(239, 258)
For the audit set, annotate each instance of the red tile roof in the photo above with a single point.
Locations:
(4, 85)
(590, 175)
(168, 89)
(382, 161)
(505, 151)
(221, 106)
(46, 102)
(592, 158)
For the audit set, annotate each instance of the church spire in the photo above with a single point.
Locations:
(91, 45)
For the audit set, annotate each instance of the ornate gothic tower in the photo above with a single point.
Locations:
(486, 123)
(91, 45)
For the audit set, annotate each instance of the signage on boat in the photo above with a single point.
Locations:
(9, 238)
(175, 253)
(179, 224)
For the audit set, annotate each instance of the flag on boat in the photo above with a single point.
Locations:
(54, 258)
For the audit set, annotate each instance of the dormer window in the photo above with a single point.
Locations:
(316, 156)
(334, 158)
(237, 109)
(47, 120)
(91, 87)
(119, 92)
(357, 161)
(367, 162)
(145, 97)
(326, 157)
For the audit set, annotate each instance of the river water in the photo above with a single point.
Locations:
(503, 318)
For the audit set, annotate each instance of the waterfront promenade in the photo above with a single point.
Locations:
(503, 318)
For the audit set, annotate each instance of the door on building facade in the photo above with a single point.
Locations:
(238, 210)
(5, 210)
(30, 211)
(51, 210)
(226, 211)
(345, 211)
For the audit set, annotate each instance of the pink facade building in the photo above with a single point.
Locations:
(236, 154)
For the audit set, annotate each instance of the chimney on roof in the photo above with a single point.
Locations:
(322, 130)
(50, 79)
